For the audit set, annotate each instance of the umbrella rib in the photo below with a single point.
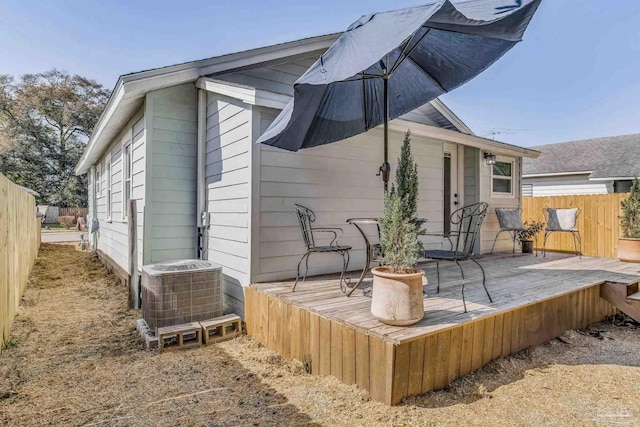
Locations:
(400, 59)
(467, 34)
(429, 76)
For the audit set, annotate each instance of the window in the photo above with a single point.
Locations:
(107, 184)
(126, 182)
(502, 178)
(98, 188)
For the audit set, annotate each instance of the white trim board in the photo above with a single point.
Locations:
(247, 94)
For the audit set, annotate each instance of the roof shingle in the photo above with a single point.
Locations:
(608, 157)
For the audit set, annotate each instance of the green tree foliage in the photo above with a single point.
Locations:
(399, 226)
(45, 122)
(630, 219)
(407, 179)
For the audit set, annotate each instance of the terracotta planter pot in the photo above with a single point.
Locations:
(629, 249)
(396, 299)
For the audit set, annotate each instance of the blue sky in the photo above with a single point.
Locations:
(576, 75)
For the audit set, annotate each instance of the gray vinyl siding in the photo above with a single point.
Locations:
(471, 172)
(337, 181)
(171, 122)
(228, 160)
(138, 180)
(567, 184)
(113, 239)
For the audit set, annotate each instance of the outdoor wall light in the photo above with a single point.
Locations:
(490, 158)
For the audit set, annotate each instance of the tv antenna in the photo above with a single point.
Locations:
(492, 132)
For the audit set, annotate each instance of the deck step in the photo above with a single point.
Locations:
(625, 297)
(634, 297)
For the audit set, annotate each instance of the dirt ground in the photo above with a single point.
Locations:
(74, 358)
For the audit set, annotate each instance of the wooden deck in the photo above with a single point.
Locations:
(535, 299)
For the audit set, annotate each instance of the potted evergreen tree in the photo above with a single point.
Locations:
(629, 243)
(397, 285)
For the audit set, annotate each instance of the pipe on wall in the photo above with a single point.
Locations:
(201, 204)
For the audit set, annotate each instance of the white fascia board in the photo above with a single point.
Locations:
(182, 73)
(613, 178)
(451, 116)
(117, 96)
(495, 147)
(544, 175)
(246, 94)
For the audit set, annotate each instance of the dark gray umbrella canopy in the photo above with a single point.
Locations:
(420, 52)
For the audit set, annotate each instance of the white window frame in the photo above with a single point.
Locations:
(127, 154)
(98, 183)
(512, 161)
(108, 187)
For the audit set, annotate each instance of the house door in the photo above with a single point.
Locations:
(450, 180)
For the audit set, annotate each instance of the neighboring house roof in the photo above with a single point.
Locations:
(615, 157)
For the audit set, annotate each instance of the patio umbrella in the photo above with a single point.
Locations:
(387, 64)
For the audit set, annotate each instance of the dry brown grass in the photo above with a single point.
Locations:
(78, 361)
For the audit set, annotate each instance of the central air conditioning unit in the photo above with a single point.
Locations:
(176, 292)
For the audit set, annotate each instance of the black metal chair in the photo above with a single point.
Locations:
(510, 220)
(468, 220)
(563, 221)
(306, 218)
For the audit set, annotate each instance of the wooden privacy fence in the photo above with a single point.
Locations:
(598, 223)
(19, 243)
(77, 212)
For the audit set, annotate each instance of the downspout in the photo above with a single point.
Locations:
(202, 219)
(94, 208)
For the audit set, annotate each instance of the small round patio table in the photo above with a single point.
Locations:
(372, 251)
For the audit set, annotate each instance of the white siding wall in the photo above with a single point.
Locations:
(228, 177)
(572, 184)
(171, 122)
(337, 181)
(113, 238)
(471, 172)
(491, 225)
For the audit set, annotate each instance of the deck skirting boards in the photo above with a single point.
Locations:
(391, 370)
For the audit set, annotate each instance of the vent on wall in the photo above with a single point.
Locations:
(183, 291)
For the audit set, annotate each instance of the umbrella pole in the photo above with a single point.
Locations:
(385, 169)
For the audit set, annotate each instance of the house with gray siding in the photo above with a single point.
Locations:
(590, 166)
(180, 140)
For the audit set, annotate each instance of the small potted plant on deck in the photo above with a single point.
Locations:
(629, 243)
(397, 285)
(526, 236)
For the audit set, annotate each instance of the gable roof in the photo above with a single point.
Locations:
(128, 95)
(601, 158)
(129, 92)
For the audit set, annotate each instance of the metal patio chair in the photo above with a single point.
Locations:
(468, 220)
(563, 221)
(306, 218)
(510, 220)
